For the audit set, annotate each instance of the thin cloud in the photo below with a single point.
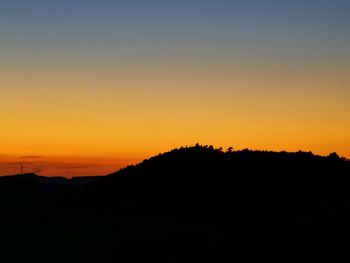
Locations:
(32, 157)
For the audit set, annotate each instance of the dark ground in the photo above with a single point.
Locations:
(196, 204)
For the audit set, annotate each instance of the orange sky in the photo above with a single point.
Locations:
(92, 121)
(89, 92)
(62, 166)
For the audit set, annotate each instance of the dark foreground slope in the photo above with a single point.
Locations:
(195, 204)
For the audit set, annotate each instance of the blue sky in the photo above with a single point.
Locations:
(71, 22)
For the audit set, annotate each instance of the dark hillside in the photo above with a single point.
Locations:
(194, 204)
(258, 205)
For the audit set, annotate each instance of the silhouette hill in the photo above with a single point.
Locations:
(193, 204)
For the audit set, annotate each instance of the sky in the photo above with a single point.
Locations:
(87, 87)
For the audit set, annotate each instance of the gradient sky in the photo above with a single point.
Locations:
(87, 87)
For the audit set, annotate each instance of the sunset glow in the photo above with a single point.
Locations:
(86, 93)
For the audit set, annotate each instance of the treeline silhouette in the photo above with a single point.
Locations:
(191, 204)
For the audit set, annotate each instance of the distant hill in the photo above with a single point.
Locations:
(24, 189)
(195, 204)
(32, 178)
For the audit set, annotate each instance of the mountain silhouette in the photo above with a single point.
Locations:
(191, 204)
